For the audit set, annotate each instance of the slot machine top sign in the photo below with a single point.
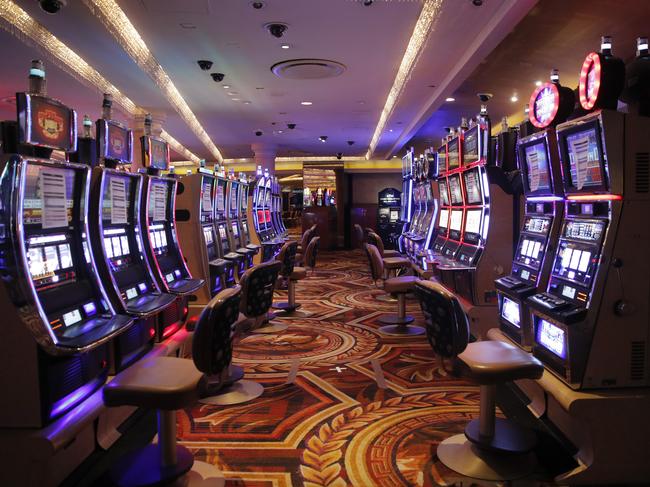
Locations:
(602, 78)
(551, 103)
(46, 122)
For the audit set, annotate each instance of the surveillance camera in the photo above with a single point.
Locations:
(339, 155)
(323, 138)
(204, 64)
(217, 77)
(276, 29)
(291, 126)
(477, 3)
(52, 6)
(257, 5)
(259, 133)
(350, 142)
(367, 3)
(484, 97)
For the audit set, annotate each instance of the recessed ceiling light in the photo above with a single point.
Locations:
(233, 93)
(226, 86)
(280, 131)
(235, 99)
(361, 102)
(450, 99)
(306, 103)
(538, 83)
(285, 46)
(247, 102)
(390, 130)
(514, 98)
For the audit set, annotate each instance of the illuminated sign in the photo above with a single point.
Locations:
(543, 105)
(590, 79)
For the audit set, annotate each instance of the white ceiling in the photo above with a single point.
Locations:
(370, 41)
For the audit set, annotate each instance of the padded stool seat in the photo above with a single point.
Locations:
(493, 362)
(298, 273)
(392, 253)
(166, 383)
(401, 284)
(396, 262)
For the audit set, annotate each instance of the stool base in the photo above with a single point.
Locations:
(286, 307)
(142, 468)
(272, 327)
(202, 475)
(402, 330)
(386, 298)
(396, 320)
(235, 373)
(509, 438)
(240, 392)
(464, 457)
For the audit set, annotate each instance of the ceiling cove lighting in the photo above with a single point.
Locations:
(306, 103)
(27, 29)
(423, 27)
(119, 25)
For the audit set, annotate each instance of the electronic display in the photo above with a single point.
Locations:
(221, 201)
(543, 105)
(444, 192)
(46, 122)
(538, 174)
(537, 225)
(222, 233)
(473, 221)
(158, 153)
(394, 216)
(207, 235)
(473, 187)
(442, 159)
(48, 197)
(49, 259)
(206, 197)
(443, 222)
(510, 311)
(233, 199)
(584, 230)
(455, 190)
(117, 142)
(235, 229)
(267, 214)
(456, 220)
(574, 262)
(471, 145)
(585, 159)
(453, 156)
(158, 194)
(530, 251)
(551, 337)
(116, 200)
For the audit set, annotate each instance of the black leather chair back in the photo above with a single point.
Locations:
(375, 262)
(212, 340)
(312, 252)
(358, 231)
(257, 286)
(287, 256)
(376, 240)
(447, 325)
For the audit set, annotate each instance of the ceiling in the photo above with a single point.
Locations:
(369, 41)
(554, 34)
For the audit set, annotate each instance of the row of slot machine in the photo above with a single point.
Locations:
(266, 214)
(90, 253)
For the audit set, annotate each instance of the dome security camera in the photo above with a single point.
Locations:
(259, 133)
(339, 155)
(367, 3)
(204, 64)
(291, 126)
(277, 29)
(350, 142)
(484, 97)
(217, 77)
(52, 6)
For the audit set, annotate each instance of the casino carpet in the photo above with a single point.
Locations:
(334, 425)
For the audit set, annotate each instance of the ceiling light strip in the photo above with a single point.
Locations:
(423, 27)
(18, 23)
(119, 25)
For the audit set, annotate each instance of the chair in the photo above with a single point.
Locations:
(394, 324)
(376, 240)
(292, 274)
(491, 448)
(392, 265)
(258, 284)
(361, 237)
(304, 240)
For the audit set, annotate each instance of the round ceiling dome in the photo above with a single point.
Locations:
(308, 69)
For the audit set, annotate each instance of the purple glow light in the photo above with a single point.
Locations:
(66, 402)
(545, 198)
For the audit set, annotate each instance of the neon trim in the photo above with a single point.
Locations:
(592, 59)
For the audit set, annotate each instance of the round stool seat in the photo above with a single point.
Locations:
(492, 362)
(400, 284)
(166, 383)
(391, 253)
(298, 274)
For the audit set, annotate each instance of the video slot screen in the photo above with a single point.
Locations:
(443, 190)
(456, 222)
(585, 159)
(453, 157)
(221, 202)
(575, 262)
(443, 221)
(49, 259)
(551, 337)
(473, 187)
(442, 159)
(158, 194)
(207, 234)
(49, 196)
(116, 200)
(510, 311)
(235, 229)
(530, 251)
(455, 190)
(538, 172)
(233, 199)
(117, 142)
(158, 153)
(244, 198)
(473, 221)
(471, 145)
(222, 233)
(51, 123)
(206, 196)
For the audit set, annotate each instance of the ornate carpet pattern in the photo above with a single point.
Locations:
(365, 409)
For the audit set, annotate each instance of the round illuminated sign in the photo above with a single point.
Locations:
(590, 79)
(543, 105)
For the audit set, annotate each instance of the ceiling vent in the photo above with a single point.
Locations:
(308, 69)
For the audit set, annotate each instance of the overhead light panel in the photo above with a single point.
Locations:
(306, 103)
(119, 25)
(450, 99)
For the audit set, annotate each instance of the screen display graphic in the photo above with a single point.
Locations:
(537, 169)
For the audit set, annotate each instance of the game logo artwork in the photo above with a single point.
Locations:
(156, 153)
(45, 122)
(119, 142)
(544, 104)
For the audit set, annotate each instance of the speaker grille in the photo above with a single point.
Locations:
(642, 172)
(637, 361)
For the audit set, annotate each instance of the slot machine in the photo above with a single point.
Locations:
(406, 212)
(442, 228)
(590, 326)
(262, 216)
(456, 201)
(388, 211)
(243, 216)
(57, 317)
(222, 207)
(162, 247)
(427, 225)
(277, 196)
(195, 217)
(232, 224)
(117, 241)
(539, 165)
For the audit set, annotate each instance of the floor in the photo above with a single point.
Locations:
(365, 409)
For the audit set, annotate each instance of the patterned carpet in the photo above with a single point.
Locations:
(334, 425)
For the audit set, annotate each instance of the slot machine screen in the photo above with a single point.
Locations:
(577, 255)
(158, 194)
(48, 197)
(530, 251)
(221, 201)
(267, 214)
(158, 153)
(456, 220)
(442, 159)
(443, 221)
(244, 199)
(260, 195)
(473, 221)
(473, 187)
(455, 190)
(117, 141)
(206, 200)
(260, 217)
(444, 192)
(471, 145)
(585, 159)
(394, 216)
(537, 170)
(45, 122)
(537, 225)
(222, 233)
(551, 337)
(233, 199)
(235, 229)
(453, 155)
(510, 311)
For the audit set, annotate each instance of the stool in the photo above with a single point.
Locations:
(258, 284)
(399, 286)
(376, 240)
(288, 258)
(165, 384)
(491, 448)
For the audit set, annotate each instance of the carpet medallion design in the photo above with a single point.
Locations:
(365, 409)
